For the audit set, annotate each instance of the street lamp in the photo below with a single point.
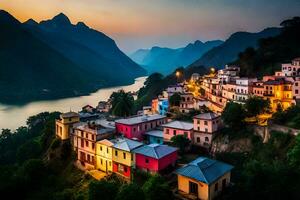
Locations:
(177, 74)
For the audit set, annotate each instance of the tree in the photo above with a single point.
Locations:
(104, 190)
(156, 188)
(294, 153)
(129, 192)
(175, 99)
(233, 115)
(181, 141)
(122, 103)
(28, 150)
(256, 105)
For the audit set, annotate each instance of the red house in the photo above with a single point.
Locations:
(135, 127)
(155, 157)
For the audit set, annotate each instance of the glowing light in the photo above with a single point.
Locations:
(178, 73)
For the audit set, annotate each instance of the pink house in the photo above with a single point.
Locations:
(177, 128)
(205, 127)
(155, 157)
(135, 127)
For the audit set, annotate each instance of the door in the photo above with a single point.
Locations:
(223, 183)
(193, 188)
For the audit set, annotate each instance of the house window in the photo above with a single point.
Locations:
(206, 130)
(174, 132)
(147, 160)
(88, 157)
(93, 137)
(93, 145)
(116, 153)
(125, 169)
(205, 123)
(198, 121)
(216, 187)
(87, 135)
(100, 148)
(133, 129)
(206, 139)
(296, 91)
(107, 150)
(82, 143)
(167, 131)
(198, 139)
(101, 161)
(124, 155)
(86, 143)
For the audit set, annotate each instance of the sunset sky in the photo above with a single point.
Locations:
(138, 24)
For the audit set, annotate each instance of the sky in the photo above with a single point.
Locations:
(136, 24)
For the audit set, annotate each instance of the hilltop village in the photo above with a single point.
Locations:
(106, 145)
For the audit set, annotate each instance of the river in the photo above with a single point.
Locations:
(14, 116)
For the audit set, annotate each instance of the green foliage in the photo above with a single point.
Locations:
(29, 150)
(181, 141)
(122, 103)
(129, 192)
(256, 105)
(175, 99)
(103, 190)
(290, 117)
(294, 153)
(234, 115)
(156, 188)
(55, 143)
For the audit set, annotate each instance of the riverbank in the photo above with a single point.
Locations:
(13, 116)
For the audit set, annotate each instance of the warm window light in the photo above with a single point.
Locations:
(177, 73)
(212, 70)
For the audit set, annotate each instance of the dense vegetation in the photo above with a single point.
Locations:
(289, 117)
(122, 103)
(272, 51)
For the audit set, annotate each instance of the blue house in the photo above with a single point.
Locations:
(163, 106)
(155, 137)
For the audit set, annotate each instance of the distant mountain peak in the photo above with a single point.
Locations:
(82, 25)
(61, 19)
(6, 18)
(198, 42)
(31, 22)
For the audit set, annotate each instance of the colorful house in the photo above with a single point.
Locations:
(155, 137)
(205, 127)
(104, 158)
(84, 140)
(177, 128)
(63, 126)
(155, 157)
(163, 106)
(135, 127)
(123, 156)
(204, 178)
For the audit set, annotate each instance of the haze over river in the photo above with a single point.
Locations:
(14, 116)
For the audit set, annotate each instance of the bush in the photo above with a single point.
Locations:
(55, 143)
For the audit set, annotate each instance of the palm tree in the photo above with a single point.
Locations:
(122, 103)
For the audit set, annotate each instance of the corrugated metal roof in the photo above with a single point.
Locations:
(204, 170)
(155, 150)
(155, 133)
(179, 125)
(126, 144)
(139, 119)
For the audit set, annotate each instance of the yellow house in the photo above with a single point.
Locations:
(123, 156)
(278, 92)
(204, 178)
(64, 125)
(104, 158)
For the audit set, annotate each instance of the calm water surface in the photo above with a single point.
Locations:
(15, 116)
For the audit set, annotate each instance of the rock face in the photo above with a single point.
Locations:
(55, 59)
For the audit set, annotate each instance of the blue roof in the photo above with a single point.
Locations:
(156, 151)
(126, 144)
(155, 133)
(205, 170)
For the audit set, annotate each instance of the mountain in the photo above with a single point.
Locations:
(55, 59)
(165, 60)
(272, 52)
(229, 50)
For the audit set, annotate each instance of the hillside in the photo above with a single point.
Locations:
(41, 61)
(166, 60)
(229, 50)
(271, 52)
